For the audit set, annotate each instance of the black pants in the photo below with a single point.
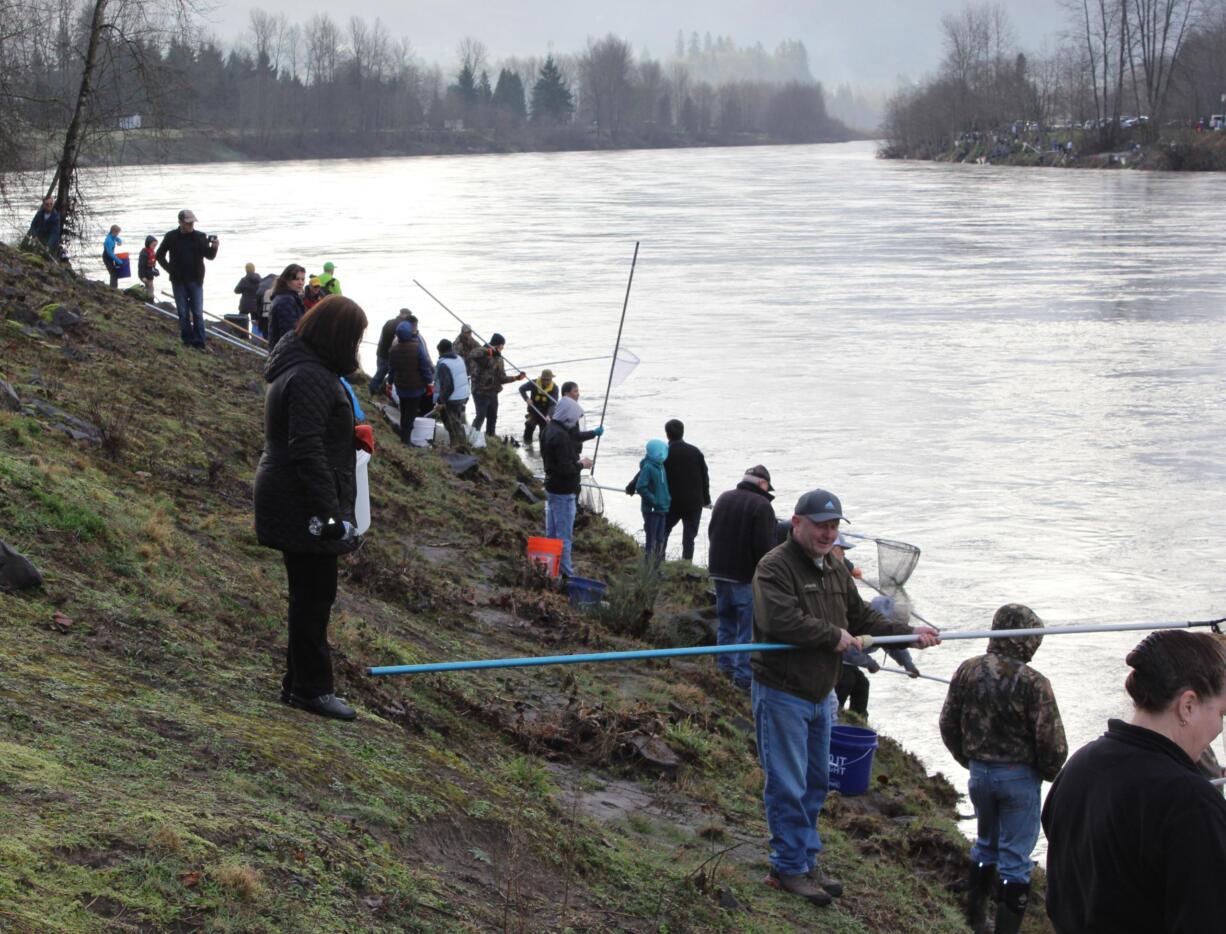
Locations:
(689, 531)
(410, 409)
(487, 412)
(312, 591)
(852, 683)
(532, 422)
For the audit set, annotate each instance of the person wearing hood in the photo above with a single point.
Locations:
(488, 377)
(386, 335)
(1000, 721)
(147, 265)
(286, 309)
(305, 487)
(561, 447)
(652, 488)
(246, 289)
(411, 371)
(451, 393)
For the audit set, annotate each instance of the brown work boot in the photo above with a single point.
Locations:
(802, 885)
(825, 880)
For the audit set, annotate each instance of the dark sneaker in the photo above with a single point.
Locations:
(825, 880)
(326, 705)
(804, 886)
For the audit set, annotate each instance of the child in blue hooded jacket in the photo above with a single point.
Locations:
(652, 486)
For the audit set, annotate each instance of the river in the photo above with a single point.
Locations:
(1019, 371)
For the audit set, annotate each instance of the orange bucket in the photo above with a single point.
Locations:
(546, 551)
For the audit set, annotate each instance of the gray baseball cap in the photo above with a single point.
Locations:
(819, 506)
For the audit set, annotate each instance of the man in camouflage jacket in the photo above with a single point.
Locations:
(1000, 720)
(488, 376)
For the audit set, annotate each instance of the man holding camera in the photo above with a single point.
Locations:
(182, 255)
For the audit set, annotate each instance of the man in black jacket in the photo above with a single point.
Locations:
(182, 255)
(561, 445)
(45, 228)
(741, 531)
(688, 484)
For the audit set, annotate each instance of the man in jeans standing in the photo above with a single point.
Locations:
(741, 531)
(561, 445)
(804, 597)
(182, 255)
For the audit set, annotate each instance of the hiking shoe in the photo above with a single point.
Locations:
(326, 705)
(802, 885)
(825, 880)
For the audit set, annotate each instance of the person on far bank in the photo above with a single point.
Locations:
(247, 286)
(740, 533)
(411, 371)
(488, 377)
(387, 334)
(451, 391)
(804, 597)
(540, 396)
(286, 309)
(652, 488)
(305, 487)
(109, 257)
(147, 266)
(327, 281)
(45, 227)
(1000, 721)
(561, 451)
(182, 255)
(1136, 838)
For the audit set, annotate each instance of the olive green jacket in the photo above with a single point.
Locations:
(796, 602)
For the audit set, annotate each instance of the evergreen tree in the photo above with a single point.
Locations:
(551, 98)
(484, 93)
(465, 87)
(509, 94)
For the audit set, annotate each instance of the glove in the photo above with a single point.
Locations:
(913, 672)
(521, 375)
(598, 430)
(364, 438)
(332, 531)
(430, 390)
(873, 667)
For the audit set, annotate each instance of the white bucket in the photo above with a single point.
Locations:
(361, 506)
(440, 433)
(422, 433)
(476, 438)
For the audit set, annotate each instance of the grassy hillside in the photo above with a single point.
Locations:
(150, 780)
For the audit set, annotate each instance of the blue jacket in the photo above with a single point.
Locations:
(652, 484)
(46, 227)
(108, 247)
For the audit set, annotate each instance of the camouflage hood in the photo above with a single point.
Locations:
(1016, 616)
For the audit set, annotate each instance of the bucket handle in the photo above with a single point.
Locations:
(860, 758)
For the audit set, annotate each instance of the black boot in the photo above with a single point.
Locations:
(979, 882)
(1011, 906)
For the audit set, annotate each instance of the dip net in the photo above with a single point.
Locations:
(895, 562)
(590, 498)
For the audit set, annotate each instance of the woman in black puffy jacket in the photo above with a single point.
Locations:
(305, 487)
(286, 309)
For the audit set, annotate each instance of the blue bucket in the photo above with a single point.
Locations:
(851, 759)
(584, 591)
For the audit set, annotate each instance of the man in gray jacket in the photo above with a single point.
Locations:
(804, 597)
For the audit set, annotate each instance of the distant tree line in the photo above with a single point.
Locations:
(1131, 68)
(326, 87)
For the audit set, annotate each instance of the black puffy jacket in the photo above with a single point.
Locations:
(283, 315)
(307, 468)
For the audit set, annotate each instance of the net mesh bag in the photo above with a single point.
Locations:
(895, 562)
(591, 499)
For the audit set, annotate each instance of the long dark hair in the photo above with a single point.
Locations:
(1168, 662)
(333, 329)
(281, 286)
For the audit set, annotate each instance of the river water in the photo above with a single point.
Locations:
(1019, 371)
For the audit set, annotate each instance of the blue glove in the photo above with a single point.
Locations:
(598, 430)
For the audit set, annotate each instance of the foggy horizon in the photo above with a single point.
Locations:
(870, 46)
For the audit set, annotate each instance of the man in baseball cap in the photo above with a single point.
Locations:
(804, 597)
(331, 285)
(540, 396)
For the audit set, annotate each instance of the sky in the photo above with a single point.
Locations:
(868, 43)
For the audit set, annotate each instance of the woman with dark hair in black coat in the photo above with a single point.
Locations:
(286, 309)
(305, 487)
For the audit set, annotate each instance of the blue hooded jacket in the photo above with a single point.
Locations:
(652, 484)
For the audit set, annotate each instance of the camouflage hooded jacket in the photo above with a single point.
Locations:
(999, 709)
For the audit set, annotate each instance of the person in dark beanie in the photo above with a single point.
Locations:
(488, 377)
(688, 484)
(451, 390)
(305, 487)
(412, 373)
(182, 255)
(741, 531)
(1001, 722)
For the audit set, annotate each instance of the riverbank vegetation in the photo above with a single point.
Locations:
(1132, 82)
(150, 779)
(102, 81)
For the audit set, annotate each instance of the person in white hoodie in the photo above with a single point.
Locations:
(561, 446)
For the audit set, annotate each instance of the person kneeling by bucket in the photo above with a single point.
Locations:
(1000, 720)
(804, 597)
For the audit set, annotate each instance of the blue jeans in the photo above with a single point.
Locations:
(1006, 800)
(560, 523)
(376, 381)
(189, 300)
(654, 525)
(734, 604)
(794, 749)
